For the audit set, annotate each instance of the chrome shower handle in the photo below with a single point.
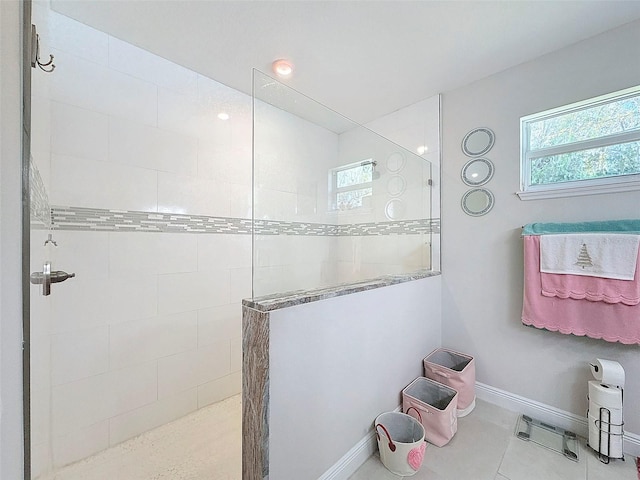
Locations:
(44, 278)
(47, 277)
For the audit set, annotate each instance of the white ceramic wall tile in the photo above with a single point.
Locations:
(224, 160)
(307, 277)
(140, 145)
(182, 292)
(80, 404)
(267, 280)
(151, 253)
(380, 249)
(270, 250)
(144, 65)
(187, 370)
(41, 83)
(236, 354)
(84, 253)
(413, 251)
(275, 205)
(80, 444)
(219, 324)
(234, 102)
(132, 99)
(41, 135)
(40, 459)
(40, 416)
(223, 251)
(192, 195)
(85, 402)
(79, 354)
(131, 298)
(76, 38)
(79, 132)
(87, 183)
(150, 416)
(239, 284)
(132, 387)
(80, 82)
(219, 389)
(240, 198)
(79, 304)
(152, 338)
(185, 114)
(40, 354)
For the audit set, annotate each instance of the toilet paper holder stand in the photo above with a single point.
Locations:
(600, 423)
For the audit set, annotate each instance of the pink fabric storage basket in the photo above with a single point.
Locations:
(456, 370)
(437, 405)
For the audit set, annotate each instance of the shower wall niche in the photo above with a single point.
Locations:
(334, 202)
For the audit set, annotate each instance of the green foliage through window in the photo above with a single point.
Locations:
(351, 184)
(583, 142)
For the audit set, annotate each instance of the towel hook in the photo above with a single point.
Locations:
(35, 53)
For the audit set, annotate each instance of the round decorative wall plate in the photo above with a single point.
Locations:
(396, 162)
(477, 171)
(477, 202)
(478, 142)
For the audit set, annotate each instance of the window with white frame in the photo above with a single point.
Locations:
(586, 147)
(350, 184)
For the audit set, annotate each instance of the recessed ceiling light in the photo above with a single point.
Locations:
(282, 68)
(223, 116)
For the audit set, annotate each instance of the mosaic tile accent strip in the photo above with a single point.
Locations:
(94, 219)
(40, 210)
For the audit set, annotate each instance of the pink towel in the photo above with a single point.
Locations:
(596, 289)
(613, 322)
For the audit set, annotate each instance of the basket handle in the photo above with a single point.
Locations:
(419, 408)
(417, 411)
(392, 446)
(437, 371)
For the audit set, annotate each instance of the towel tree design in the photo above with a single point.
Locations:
(584, 260)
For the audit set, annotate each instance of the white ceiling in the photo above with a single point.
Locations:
(361, 58)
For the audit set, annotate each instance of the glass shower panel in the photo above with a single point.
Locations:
(136, 361)
(333, 202)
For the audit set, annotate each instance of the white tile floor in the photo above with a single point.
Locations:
(206, 445)
(485, 448)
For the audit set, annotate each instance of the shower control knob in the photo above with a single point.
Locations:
(58, 276)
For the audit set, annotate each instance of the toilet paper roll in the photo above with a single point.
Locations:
(614, 426)
(608, 372)
(609, 445)
(601, 395)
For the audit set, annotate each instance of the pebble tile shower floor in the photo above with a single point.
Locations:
(205, 445)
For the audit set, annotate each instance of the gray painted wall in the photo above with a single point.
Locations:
(482, 256)
(336, 364)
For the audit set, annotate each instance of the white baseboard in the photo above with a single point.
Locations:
(548, 414)
(354, 458)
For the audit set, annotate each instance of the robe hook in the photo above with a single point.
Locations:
(35, 53)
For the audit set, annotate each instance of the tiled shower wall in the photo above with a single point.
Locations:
(149, 329)
(151, 197)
